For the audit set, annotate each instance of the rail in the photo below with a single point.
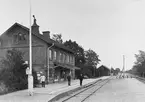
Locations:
(87, 88)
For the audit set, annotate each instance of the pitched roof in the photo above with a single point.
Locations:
(40, 36)
(102, 66)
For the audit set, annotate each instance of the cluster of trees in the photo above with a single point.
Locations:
(13, 72)
(115, 71)
(139, 64)
(87, 60)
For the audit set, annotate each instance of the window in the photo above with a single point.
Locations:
(73, 60)
(0, 43)
(50, 54)
(67, 58)
(63, 58)
(60, 54)
(16, 38)
(60, 57)
(19, 37)
(70, 59)
(54, 55)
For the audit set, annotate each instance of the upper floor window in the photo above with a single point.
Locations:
(19, 37)
(54, 55)
(0, 43)
(22, 37)
(63, 58)
(50, 54)
(67, 58)
(73, 60)
(70, 59)
(60, 56)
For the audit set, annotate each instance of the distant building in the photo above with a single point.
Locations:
(103, 71)
(55, 62)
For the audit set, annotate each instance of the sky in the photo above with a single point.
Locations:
(112, 28)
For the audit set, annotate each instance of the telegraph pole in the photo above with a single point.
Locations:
(30, 76)
(123, 63)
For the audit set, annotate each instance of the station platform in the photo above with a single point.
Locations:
(50, 92)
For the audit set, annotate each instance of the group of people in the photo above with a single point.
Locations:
(81, 77)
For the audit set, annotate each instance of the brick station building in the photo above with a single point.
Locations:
(49, 57)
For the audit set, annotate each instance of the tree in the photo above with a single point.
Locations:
(140, 58)
(88, 70)
(112, 70)
(57, 38)
(79, 55)
(78, 52)
(139, 64)
(13, 73)
(91, 58)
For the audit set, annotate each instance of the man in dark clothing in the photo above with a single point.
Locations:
(81, 79)
(69, 79)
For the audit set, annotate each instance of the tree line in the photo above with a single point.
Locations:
(87, 60)
(139, 65)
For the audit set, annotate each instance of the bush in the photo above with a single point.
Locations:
(14, 72)
(14, 81)
(3, 88)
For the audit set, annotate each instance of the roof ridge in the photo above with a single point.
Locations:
(40, 36)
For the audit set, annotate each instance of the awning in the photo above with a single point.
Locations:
(67, 66)
(72, 67)
(77, 68)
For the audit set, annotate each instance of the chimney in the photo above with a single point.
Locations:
(35, 27)
(46, 34)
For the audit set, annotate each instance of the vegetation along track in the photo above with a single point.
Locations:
(86, 92)
(141, 79)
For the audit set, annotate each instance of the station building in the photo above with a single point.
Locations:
(49, 57)
(103, 71)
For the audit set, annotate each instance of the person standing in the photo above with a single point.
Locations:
(81, 79)
(69, 79)
(43, 80)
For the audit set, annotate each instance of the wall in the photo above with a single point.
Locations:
(39, 47)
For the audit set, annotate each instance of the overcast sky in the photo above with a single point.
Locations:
(112, 28)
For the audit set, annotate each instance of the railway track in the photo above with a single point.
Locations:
(84, 94)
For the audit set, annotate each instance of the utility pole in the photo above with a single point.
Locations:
(123, 64)
(30, 76)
